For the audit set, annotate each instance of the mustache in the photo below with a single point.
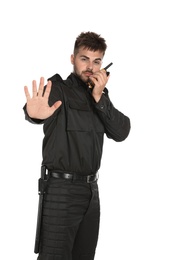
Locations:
(90, 71)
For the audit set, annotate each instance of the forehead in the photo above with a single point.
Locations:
(90, 54)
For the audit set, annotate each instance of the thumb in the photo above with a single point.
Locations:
(56, 105)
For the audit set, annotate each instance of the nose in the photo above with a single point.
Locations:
(89, 65)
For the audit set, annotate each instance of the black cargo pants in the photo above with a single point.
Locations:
(70, 224)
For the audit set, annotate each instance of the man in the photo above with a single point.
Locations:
(75, 113)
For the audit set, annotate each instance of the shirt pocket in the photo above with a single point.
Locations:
(78, 116)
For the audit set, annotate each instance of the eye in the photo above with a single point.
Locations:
(97, 62)
(83, 59)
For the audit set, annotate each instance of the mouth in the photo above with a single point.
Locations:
(88, 73)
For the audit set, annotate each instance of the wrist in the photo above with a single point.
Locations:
(96, 98)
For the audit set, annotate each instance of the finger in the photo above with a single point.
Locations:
(93, 79)
(41, 87)
(102, 76)
(103, 73)
(27, 93)
(48, 89)
(34, 88)
(55, 106)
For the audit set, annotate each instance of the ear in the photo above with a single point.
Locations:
(72, 59)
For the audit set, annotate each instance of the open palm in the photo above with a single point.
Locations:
(37, 105)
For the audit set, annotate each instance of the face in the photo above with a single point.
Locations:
(86, 62)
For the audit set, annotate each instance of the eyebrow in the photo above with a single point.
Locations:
(99, 59)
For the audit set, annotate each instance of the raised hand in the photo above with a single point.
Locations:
(100, 80)
(37, 105)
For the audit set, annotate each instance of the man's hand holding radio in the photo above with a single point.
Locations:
(100, 80)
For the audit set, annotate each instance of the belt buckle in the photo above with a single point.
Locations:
(89, 177)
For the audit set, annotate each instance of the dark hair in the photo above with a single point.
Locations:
(91, 41)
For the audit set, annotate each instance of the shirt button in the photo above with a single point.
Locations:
(102, 106)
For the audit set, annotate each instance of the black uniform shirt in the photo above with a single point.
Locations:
(73, 135)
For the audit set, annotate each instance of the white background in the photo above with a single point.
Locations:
(136, 181)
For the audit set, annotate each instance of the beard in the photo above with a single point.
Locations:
(82, 75)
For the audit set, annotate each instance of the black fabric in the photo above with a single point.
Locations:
(74, 134)
(71, 218)
(73, 142)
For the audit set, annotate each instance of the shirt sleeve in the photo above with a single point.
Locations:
(32, 120)
(117, 125)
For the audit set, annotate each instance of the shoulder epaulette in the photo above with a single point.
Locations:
(56, 77)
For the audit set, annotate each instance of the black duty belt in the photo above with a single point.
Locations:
(75, 177)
